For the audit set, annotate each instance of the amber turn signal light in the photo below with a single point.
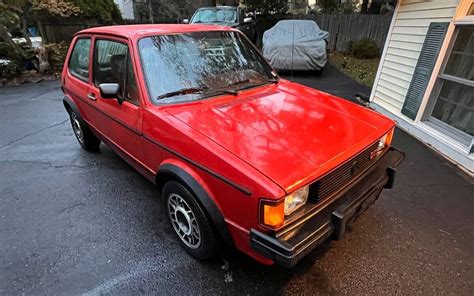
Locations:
(389, 137)
(273, 214)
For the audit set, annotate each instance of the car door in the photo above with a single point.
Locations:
(119, 119)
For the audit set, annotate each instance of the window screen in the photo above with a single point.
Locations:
(454, 103)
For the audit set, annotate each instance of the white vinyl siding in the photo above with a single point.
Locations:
(404, 44)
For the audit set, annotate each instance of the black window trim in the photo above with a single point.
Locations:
(86, 80)
(126, 97)
(123, 91)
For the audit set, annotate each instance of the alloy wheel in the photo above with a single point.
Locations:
(76, 127)
(184, 221)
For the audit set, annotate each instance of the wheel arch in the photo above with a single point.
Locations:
(174, 172)
(69, 105)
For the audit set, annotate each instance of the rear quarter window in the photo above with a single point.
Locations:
(79, 60)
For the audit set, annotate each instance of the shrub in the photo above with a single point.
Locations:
(363, 49)
(9, 70)
(7, 51)
(11, 67)
(56, 55)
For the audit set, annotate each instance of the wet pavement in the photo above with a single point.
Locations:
(73, 222)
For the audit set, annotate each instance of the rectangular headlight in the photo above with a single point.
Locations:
(383, 143)
(296, 200)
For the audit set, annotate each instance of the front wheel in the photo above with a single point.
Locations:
(189, 221)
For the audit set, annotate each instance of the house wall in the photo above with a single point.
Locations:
(399, 58)
(126, 8)
(404, 42)
(128, 12)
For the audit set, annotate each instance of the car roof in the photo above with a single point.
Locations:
(137, 31)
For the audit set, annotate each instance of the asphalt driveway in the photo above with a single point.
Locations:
(72, 222)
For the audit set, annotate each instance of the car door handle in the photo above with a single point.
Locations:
(91, 97)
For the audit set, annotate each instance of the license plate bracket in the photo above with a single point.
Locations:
(342, 218)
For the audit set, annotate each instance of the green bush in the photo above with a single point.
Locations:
(363, 49)
(56, 54)
(7, 51)
(10, 70)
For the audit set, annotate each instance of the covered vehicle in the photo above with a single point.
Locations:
(295, 45)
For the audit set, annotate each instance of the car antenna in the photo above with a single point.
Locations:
(293, 41)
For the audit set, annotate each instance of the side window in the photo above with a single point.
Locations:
(79, 60)
(112, 65)
(109, 62)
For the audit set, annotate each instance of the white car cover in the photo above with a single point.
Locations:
(295, 45)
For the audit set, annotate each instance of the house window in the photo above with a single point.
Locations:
(452, 103)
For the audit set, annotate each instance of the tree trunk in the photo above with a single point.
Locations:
(150, 12)
(24, 30)
(364, 6)
(375, 7)
(42, 32)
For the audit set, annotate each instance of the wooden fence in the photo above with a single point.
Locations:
(63, 30)
(342, 28)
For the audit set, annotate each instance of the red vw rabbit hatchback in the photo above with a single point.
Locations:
(241, 156)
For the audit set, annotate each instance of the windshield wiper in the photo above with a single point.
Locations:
(201, 89)
(183, 91)
(252, 83)
(270, 80)
(213, 92)
(238, 82)
(195, 90)
(273, 80)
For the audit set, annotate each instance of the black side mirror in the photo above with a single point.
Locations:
(363, 99)
(109, 90)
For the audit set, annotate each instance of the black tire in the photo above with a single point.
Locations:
(84, 135)
(201, 247)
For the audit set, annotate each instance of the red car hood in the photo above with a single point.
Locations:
(289, 132)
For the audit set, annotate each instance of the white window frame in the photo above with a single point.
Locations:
(460, 18)
(463, 138)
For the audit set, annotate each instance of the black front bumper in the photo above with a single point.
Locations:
(293, 242)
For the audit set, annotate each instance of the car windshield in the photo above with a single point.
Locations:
(192, 66)
(213, 15)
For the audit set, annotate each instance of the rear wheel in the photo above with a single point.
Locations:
(189, 221)
(84, 136)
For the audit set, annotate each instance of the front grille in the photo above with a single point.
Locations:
(341, 176)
